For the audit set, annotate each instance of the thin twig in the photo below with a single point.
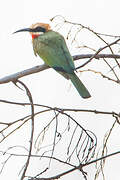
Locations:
(32, 127)
(77, 167)
(103, 75)
(99, 50)
(62, 109)
(71, 170)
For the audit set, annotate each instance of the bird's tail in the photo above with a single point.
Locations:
(79, 86)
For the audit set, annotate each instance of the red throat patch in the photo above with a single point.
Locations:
(35, 36)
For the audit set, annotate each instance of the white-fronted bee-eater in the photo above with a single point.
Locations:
(52, 48)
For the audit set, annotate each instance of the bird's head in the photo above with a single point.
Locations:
(36, 29)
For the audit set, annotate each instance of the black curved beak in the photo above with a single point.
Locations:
(23, 30)
(37, 29)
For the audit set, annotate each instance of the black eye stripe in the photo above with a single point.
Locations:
(39, 29)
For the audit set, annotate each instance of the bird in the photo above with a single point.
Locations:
(51, 47)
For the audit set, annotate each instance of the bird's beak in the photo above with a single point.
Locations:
(23, 30)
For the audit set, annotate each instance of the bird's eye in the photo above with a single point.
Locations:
(39, 29)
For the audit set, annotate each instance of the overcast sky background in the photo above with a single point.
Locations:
(48, 87)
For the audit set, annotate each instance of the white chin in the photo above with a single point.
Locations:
(39, 33)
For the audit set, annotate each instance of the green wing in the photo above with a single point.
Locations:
(52, 48)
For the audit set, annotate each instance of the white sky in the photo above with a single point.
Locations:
(48, 87)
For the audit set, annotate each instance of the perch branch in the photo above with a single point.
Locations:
(43, 67)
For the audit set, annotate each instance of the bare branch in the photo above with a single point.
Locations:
(103, 75)
(15, 76)
(83, 26)
(76, 168)
(97, 52)
(36, 69)
(104, 152)
(98, 56)
(71, 170)
(63, 109)
(32, 127)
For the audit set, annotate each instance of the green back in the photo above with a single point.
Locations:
(52, 48)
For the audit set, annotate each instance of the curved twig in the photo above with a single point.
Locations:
(32, 125)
